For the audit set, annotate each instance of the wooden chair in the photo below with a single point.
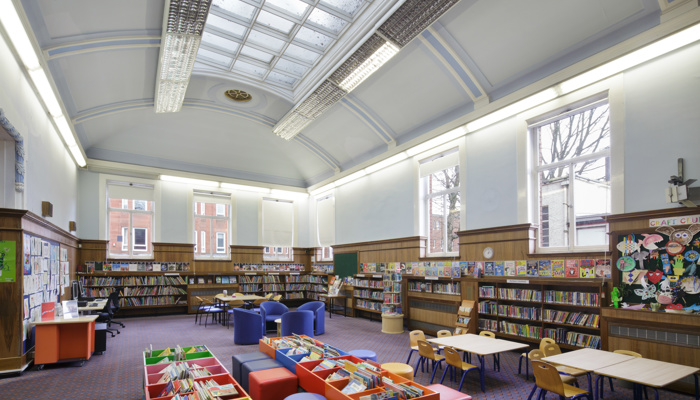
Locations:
(496, 357)
(525, 356)
(552, 349)
(442, 333)
(547, 378)
(538, 355)
(277, 298)
(414, 337)
(610, 381)
(454, 361)
(427, 352)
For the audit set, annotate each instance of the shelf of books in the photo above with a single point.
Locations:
(187, 373)
(432, 302)
(138, 291)
(368, 293)
(318, 284)
(567, 311)
(392, 294)
(465, 315)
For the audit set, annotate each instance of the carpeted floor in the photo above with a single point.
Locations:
(118, 374)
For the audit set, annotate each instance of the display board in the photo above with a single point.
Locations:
(345, 264)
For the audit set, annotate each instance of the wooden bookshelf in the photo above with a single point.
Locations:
(567, 310)
(368, 294)
(432, 302)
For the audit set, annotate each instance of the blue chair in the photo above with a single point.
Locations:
(299, 322)
(270, 311)
(247, 326)
(319, 309)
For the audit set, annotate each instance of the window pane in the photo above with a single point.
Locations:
(576, 135)
(592, 201)
(554, 196)
(445, 179)
(140, 242)
(140, 205)
(437, 223)
(453, 206)
(220, 242)
(118, 222)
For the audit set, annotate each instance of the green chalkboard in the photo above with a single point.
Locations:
(345, 264)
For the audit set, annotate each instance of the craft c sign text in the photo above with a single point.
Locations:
(685, 220)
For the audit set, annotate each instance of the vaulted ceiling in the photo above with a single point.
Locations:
(103, 56)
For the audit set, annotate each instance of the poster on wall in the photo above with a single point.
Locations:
(8, 261)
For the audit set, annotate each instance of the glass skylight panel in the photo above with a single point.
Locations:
(313, 38)
(280, 78)
(266, 41)
(214, 40)
(236, 7)
(295, 8)
(301, 54)
(256, 54)
(272, 21)
(327, 21)
(291, 67)
(215, 57)
(250, 68)
(349, 7)
(226, 25)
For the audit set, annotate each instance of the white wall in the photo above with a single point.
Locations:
(50, 173)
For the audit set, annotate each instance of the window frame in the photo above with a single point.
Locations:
(427, 198)
(134, 236)
(150, 194)
(220, 249)
(205, 240)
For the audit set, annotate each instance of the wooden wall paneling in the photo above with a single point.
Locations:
(514, 242)
(173, 252)
(92, 250)
(393, 250)
(11, 306)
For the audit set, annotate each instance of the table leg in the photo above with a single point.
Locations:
(697, 395)
(330, 310)
(596, 395)
(482, 365)
(590, 382)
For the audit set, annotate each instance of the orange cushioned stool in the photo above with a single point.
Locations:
(400, 369)
(448, 393)
(272, 384)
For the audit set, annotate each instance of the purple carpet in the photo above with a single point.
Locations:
(118, 374)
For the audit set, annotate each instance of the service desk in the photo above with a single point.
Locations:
(64, 339)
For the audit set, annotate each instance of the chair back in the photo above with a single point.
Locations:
(426, 350)
(443, 333)
(415, 336)
(546, 341)
(236, 303)
(247, 327)
(628, 353)
(259, 301)
(551, 349)
(267, 296)
(277, 298)
(487, 334)
(298, 322)
(536, 355)
(452, 357)
(547, 377)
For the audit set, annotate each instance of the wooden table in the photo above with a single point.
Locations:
(480, 346)
(330, 302)
(588, 360)
(64, 340)
(97, 305)
(245, 297)
(647, 372)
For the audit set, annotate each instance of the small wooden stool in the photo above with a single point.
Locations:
(400, 369)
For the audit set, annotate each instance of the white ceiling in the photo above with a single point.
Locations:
(103, 57)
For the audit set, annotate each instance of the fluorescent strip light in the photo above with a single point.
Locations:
(387, 162)
(246, 188)
(65, 130)
(323, 189)
(444, 138)
(41, 81)
(77, 155)
(369, 66)
(291, 125)
(350, 178)
(646, 53)
(18, 35)
(512, 109)
(289, 194)
(190, 181)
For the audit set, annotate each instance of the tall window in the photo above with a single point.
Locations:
(440, 185)
(277, 229)
(212, 217)
(130, 219)
(325, 227)
(573, 171)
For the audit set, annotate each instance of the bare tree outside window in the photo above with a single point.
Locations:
(443, 210)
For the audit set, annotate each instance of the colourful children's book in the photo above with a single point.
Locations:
(509, 268)
(603, 268)
(489, 268)
(571, 268)
(544, 268)
(467, 267)
(456, 271)
(499, 268)
(520, 268)
(558, 269)
(586, 268)
(47, 311)
(532, 268)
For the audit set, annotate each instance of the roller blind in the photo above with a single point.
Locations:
(129, 190)
(325, 221)
(211, 197)
(277, 223)
(439, 162)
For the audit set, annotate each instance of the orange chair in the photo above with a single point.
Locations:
(454, 361)
(547, 378)
(427, 352)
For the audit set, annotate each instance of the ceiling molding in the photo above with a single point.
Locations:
(377, 126)
(318, 151)
(102, 44)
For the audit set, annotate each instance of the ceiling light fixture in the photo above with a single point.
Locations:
(437, 141)
(323, 189)
(246, 188)
(349, 178)
(183, 23)
(386, 162)
(286, 194)
(189, 181)
(512, 109)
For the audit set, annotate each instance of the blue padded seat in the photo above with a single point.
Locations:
(319, 309)
(247, 326)
(299, 322)
(258, 365)
(364, 354)
(239, 359)
(305, 396)
(270, 311)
